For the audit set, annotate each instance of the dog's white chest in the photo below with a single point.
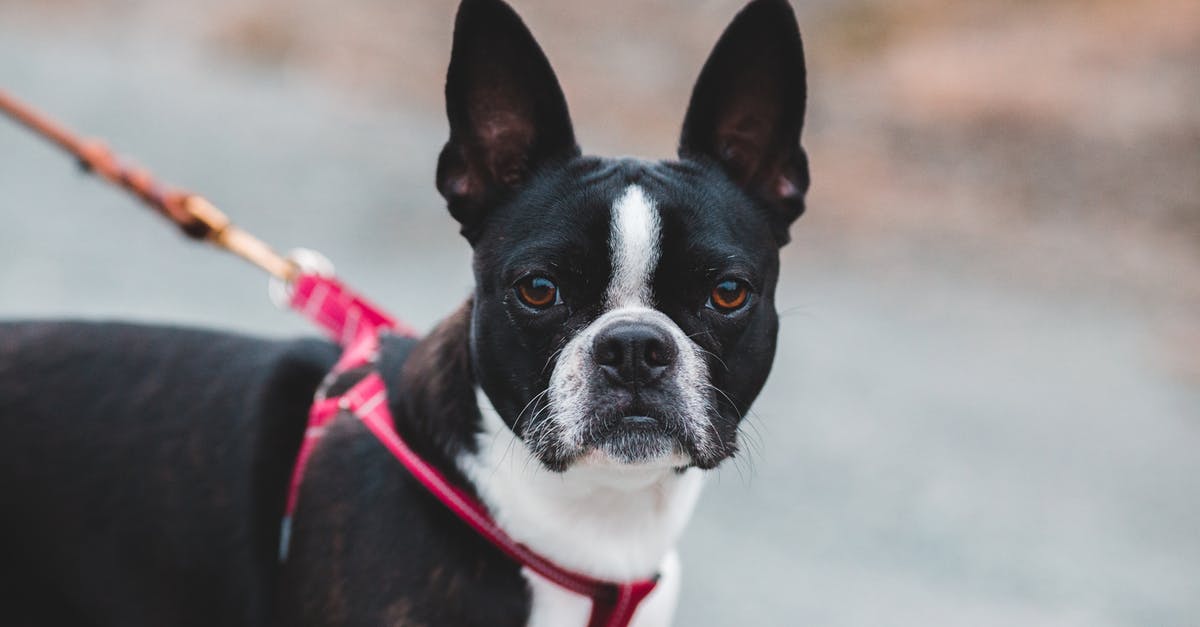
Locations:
(554, 606)
(612, 523)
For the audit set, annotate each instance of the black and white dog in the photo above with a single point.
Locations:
(622, 323)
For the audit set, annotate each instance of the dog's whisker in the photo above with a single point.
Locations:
(716, 357)
(549, 360)
(799, 310)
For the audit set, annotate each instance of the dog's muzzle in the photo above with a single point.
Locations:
(632, 387)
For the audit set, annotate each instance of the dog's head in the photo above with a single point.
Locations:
(624, 311)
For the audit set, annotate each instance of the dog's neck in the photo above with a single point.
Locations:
(600, 518)
(597, 517)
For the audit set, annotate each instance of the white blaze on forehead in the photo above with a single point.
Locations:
(634, 240)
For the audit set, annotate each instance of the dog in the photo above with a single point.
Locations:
(622, 322)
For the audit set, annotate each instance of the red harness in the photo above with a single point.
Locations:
(356, 325)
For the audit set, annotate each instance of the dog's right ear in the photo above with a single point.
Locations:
(507, 112)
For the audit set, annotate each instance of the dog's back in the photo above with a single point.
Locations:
(110, 433)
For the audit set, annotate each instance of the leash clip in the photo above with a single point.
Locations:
(306, 261)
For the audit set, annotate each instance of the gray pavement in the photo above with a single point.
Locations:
(937, 445)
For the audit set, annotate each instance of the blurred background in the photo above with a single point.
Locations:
(986, 404)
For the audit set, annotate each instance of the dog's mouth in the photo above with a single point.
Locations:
(629, 437)
(628, 434)
(637, 439)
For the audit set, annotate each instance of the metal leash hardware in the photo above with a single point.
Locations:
(303, 261)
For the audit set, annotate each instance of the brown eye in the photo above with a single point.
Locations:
(729, 296)
(538, 292)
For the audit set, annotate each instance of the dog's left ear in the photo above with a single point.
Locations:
(507, 112)
(747, 109)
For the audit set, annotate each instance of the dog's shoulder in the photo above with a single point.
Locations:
(133, 436)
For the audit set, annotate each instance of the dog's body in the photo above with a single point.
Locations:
(622, 323)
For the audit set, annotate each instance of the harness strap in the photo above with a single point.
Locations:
(357, 324)
(342, 314)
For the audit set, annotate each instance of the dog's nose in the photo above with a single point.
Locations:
(633, 353)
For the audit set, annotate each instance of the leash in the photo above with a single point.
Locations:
(305, 282)
(196, 217)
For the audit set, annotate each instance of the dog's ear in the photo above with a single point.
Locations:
(747, 109)
(507, 112)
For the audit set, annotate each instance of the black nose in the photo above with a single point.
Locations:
(633, 353)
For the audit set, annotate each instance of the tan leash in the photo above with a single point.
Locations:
(193, 214)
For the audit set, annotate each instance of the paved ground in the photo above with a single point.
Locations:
(963, 427)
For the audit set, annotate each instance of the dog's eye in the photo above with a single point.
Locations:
(538, 292)
(729, 296)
